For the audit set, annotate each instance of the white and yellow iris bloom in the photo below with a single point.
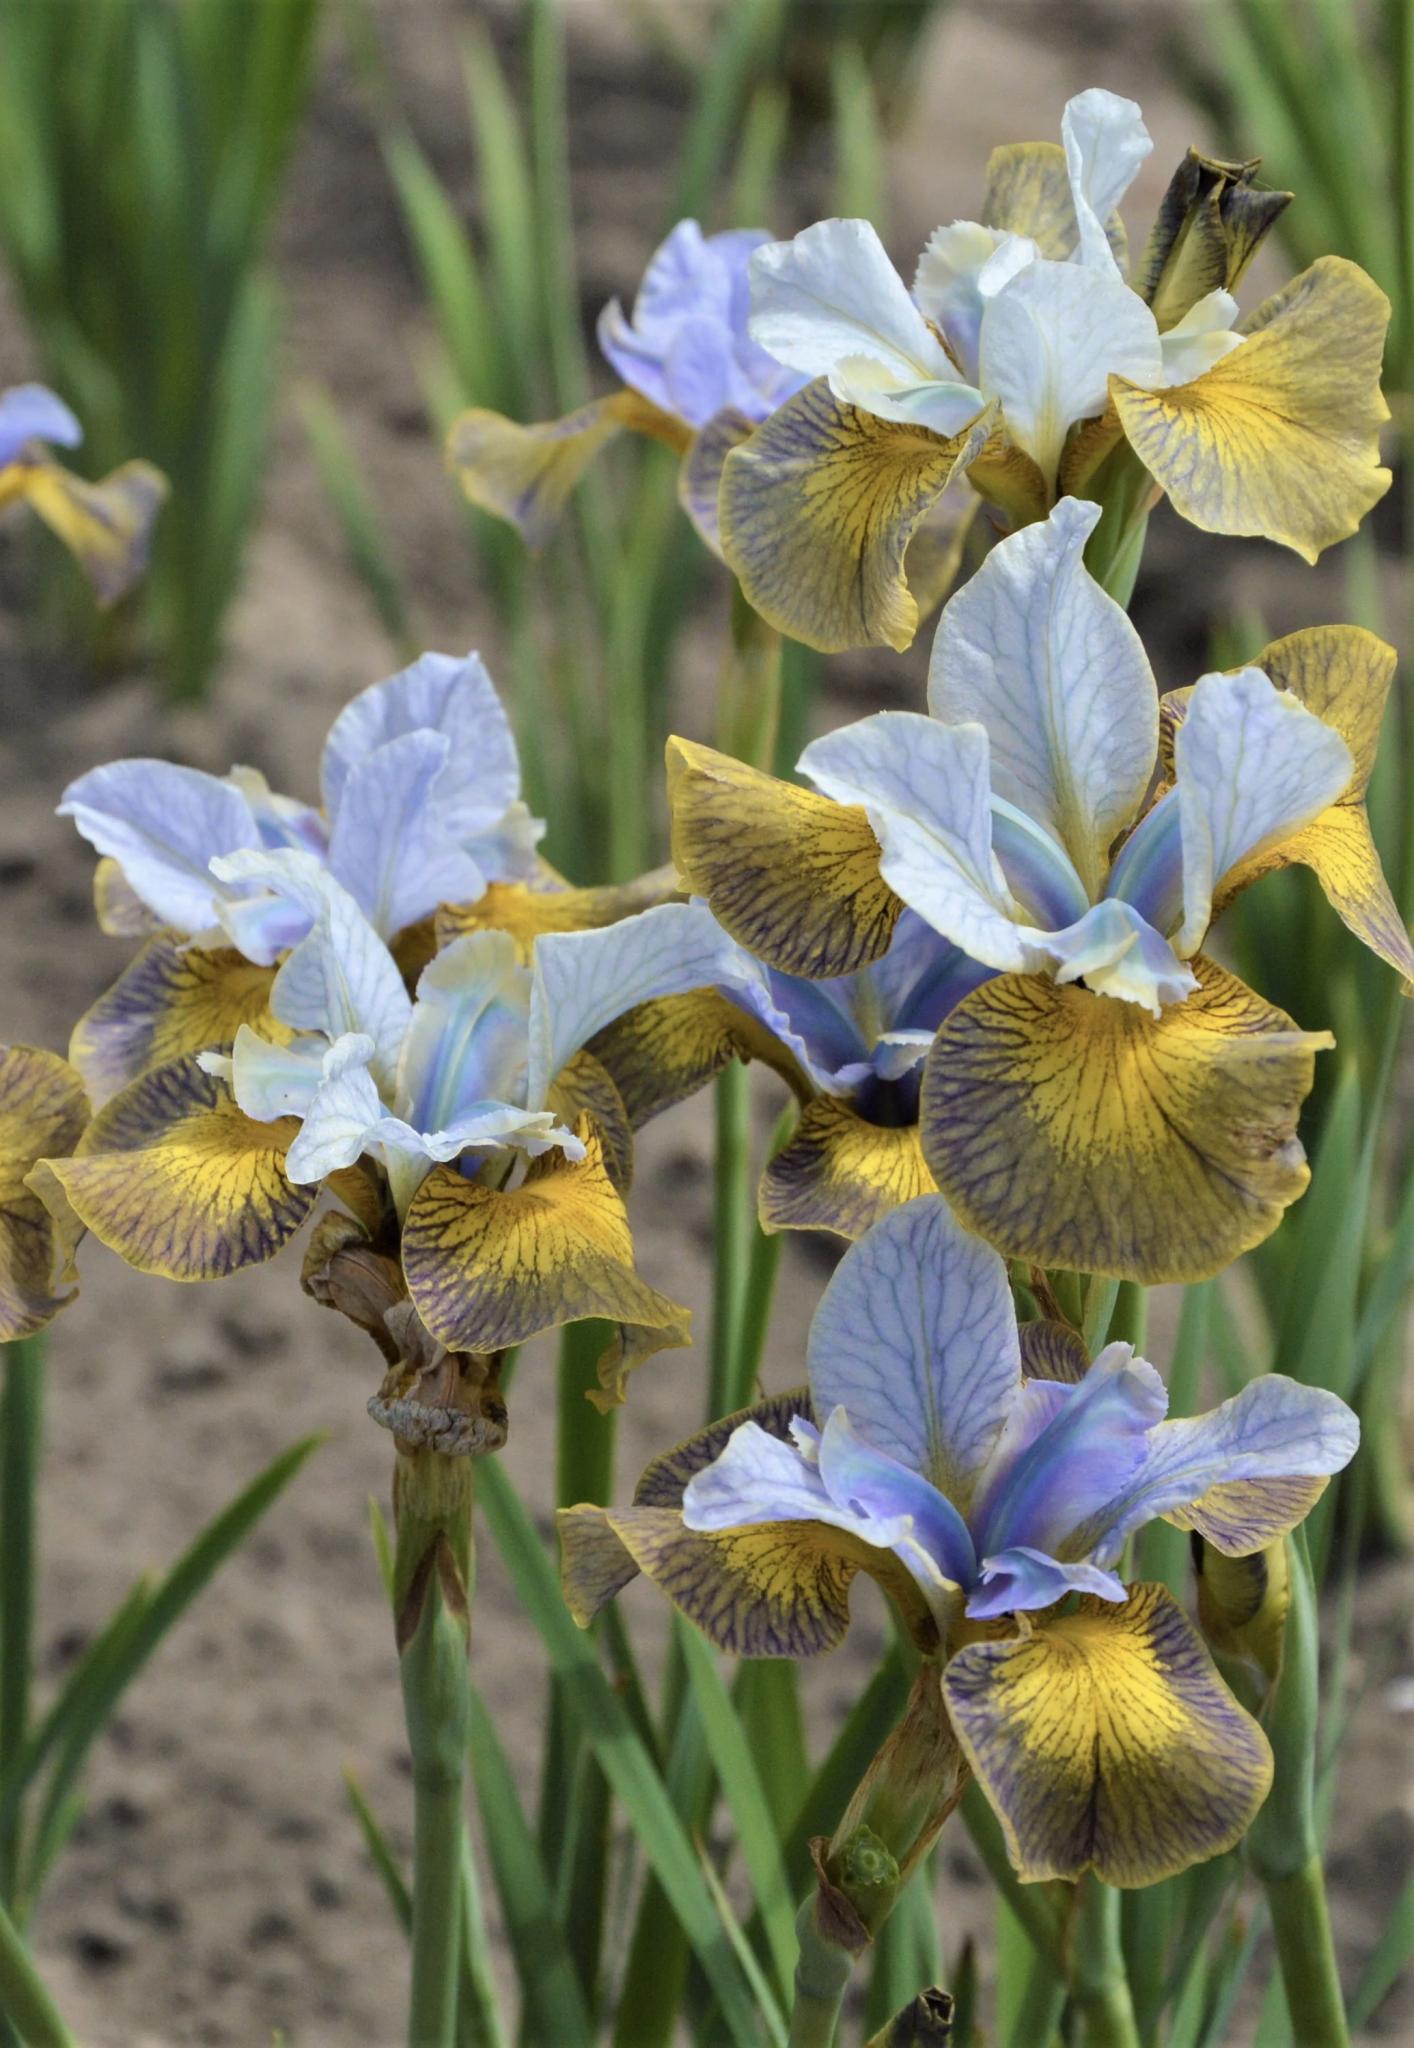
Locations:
(1022, 356)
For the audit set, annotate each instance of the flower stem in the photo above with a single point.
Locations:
(1098, 1982)
(732, 1220)
(432, 1579)
(1302, 1926)
(822, 1973)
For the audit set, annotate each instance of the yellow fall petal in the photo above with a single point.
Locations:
(43, 1110)
(1343, 674)
(525, 474)
(817, 510)
(1106, 1741)
(1028, 193)
(840, 1173)
(526, 913)
(585, 1088)
(663, 1051)
(1281, 436)
(935, 552)
(178, 1181)
(1074, 1130)
(1011, 482)
(1239, 1517)
(106, 526)
(170, 1000)
(700, 474)
(487, 1268)
(791, 875)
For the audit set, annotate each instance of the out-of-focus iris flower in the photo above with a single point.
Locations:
(1023, 357)
(43, 1111)
(990, 1480)
(1106, 1099)
(106, 526)
(693, 377)
(479, 1147)
(420, 787)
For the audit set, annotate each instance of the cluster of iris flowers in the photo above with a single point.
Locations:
(971, 939)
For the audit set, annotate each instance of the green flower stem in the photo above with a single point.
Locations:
(1306, 1953)
(1127, 492)
(432, 1586)
(732, 1221)
(1098, 1984)
(21, 1430)
(822, 1976)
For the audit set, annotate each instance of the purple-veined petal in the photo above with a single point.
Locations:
(391, 846)
(1020, 1579)
(915, 1337)
(163, 824)
(888, 1496)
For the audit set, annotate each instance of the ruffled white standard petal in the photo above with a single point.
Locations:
(341, 978)
(339, 1116)
(1105, 142)
(163, 824)
(584, 980)
(832, 293)
(926, 789)
(1276, 1428)
(962, 266)
(443, 693)
(1035, 651)
(1051, 341)
(915, 1337)
(1115, 953)
(1251, 765)
(391, 846)
(942, 407)
(467, 1042)
(1200, 339)
(270, 1081)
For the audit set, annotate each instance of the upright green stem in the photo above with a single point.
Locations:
(1097, 1981)
(731, 1227)
(1306, 1952)
(432, 1584)
(822, 1975)
(21, 1430)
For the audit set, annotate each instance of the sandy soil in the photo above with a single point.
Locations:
(216, 1888)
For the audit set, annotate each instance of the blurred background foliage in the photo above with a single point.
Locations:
(143, 149)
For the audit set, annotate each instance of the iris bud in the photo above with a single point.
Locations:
(1210, 224)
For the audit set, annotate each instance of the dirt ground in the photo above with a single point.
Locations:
(216, 1889)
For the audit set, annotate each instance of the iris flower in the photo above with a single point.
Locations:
(477, 1145)
(106, 526)
(693, 379)
(990, 1480)
(420, 787)
(1106, 1099)
(1023, 357)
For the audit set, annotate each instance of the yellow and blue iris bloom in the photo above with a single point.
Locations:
(1104, 1098)
(420, 786)
(1023, 357)
(990, 1482)
(106, 526)
(693, 379)
(468, 1130)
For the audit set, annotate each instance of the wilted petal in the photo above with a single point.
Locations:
(173, 1176)
(525, 474)
(163, 824)
(1050, 342)
(1252, 766)
(916, 1337)
(1106, 1741)
(1281, 437)
(1036, 652)
(43, 1111)
(1074, 1131)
